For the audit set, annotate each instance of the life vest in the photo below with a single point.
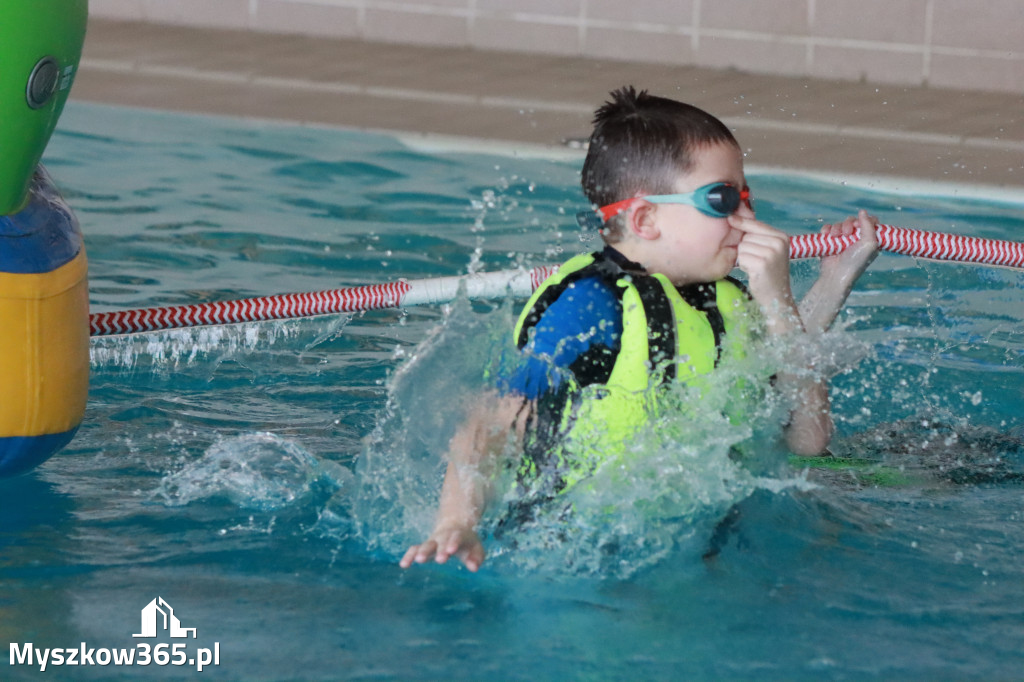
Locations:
(667, 336)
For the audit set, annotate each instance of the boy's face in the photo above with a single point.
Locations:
(699, 247)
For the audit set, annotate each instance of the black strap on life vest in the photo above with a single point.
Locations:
(661, 326)
(704, 298)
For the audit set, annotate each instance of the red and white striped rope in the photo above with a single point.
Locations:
(910, 242)
(919, 243)
(285, 306)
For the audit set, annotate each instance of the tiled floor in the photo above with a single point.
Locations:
(840, 128)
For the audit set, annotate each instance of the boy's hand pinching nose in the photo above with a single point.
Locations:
(763, 253)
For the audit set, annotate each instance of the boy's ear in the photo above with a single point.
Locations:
(642, 221)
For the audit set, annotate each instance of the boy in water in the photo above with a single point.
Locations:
(655, 306)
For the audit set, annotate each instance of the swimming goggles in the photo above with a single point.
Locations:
(718, 200)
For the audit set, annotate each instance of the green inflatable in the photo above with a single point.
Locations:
(40, 45)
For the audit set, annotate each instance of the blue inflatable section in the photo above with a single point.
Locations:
(40, 238)
(19, 454)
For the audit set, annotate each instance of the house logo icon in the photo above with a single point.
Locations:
(158, 615)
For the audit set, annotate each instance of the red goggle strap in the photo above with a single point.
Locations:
(611, 210)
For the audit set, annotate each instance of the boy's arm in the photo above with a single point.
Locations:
(763, 254)
(822, 303)
(809, 433)
(473, 455)
(566, 329)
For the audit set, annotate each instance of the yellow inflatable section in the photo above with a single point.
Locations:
(44, 359)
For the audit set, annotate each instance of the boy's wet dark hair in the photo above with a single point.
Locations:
(641, 144)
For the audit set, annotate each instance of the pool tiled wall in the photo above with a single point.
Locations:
(945, 43)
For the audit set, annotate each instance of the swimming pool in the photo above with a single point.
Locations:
(262, 479)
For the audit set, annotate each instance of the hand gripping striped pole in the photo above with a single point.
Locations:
(910, 242)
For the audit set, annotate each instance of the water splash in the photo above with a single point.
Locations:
(257, 471)
(685, 470)
(398, 472)
(172, 348)
(678, 480)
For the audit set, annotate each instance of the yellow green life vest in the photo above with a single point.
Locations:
(665, 339)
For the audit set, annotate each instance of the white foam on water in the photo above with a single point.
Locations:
(259, 471)
(171, 348)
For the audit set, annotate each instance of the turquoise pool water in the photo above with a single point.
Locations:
(263, 479)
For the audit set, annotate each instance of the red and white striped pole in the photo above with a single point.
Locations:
(909, 242)
(403, 293)
(398, 294)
